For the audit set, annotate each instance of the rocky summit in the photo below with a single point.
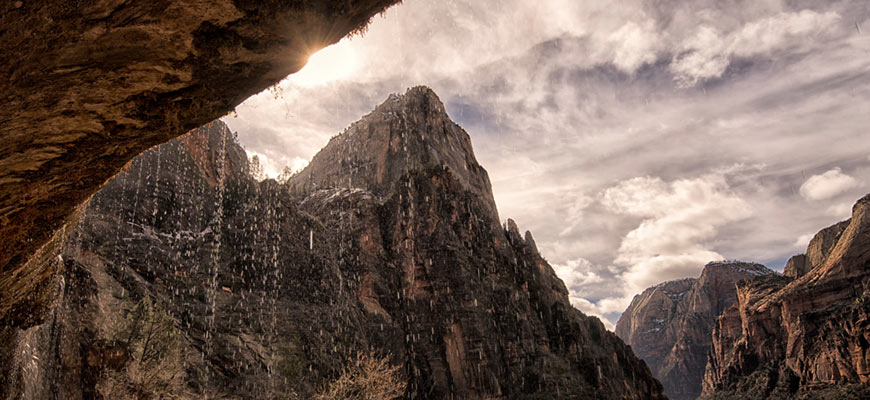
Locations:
(803, 335)
(388, 242)
(741, 331)
(669, 325)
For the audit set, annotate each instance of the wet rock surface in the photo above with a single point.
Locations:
(272, 286)
(88, 85)
(669, 325)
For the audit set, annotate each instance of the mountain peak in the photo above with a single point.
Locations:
(406, 132)
(669, 325)
(418, 97)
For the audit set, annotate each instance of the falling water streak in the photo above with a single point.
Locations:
(220, 164)
(271, 215)
(116, 256)
(178, 245)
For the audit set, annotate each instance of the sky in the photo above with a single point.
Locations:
(636, 140)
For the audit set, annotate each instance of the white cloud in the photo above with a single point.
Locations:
(827, 185)
(781, 31)
(576, 273)
(840, 211)
(589, 308)
(679, 218)
(803, 241)
(634, 44)
(702, 57)
(708, 53)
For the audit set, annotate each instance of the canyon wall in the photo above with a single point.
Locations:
(88, 85)
(669, 325)
(807, 335)
(269, 287)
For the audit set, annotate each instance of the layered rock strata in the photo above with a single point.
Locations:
(805, 337)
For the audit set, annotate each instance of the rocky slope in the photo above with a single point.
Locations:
(269, 287)
(807, 336)
(88, 85)
(669, 325)
(402, 134)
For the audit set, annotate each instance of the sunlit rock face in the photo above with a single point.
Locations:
(88, 85)
(272, 286)
(669, 325)
(808, 336)
(404, 133)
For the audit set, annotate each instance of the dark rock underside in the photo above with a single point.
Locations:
(88, 85)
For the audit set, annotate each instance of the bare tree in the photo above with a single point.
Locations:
(365, 377)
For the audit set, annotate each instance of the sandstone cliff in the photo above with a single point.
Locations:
(270, 287)
(803, 337)
(669, 325)
(817, 251)
(88, 85)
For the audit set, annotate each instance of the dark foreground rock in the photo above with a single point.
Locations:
(88, 85)
(271, 287)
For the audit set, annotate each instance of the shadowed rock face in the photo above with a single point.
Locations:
(669, 325)
(807, 336)
(88, 85)
(796, 266)
(271, 290)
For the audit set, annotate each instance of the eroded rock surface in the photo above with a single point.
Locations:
(669, 325)
(272, 288)
(805, 337)
(823, 242)
(796, 266)
(404, 133)
(88, 85)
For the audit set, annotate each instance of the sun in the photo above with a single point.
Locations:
(332, 63)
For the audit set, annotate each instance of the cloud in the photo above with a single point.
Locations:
(709, 52)
(564, 100)
(596, 310)
(784, 30)
(840, 211)
(803, 241)
(679, 218)
(634, 44)
(827, 185)
(702, 57)
(576, 273)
